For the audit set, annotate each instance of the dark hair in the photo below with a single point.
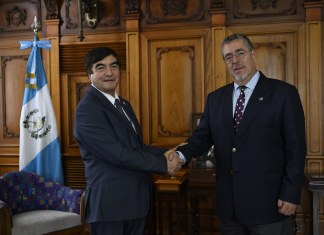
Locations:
(96, 55)
(242, 37)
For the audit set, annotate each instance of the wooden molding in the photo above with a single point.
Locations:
(313, 10)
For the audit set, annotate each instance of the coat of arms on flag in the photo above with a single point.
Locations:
(39, 150)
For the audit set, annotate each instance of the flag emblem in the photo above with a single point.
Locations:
(36, 125)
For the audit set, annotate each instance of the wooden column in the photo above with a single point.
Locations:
(218, 15)
(132, 61)
(314, 106)
(52, 67)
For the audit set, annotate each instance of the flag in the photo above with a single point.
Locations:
(39, 150)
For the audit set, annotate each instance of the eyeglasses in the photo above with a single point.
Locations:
(240, 54)
(103, 67)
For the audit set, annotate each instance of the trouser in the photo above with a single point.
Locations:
(127, 227)
(233, 227)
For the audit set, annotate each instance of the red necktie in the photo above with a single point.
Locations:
(238, 113)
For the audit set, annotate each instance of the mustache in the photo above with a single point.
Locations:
(238, 66)
(108, 78)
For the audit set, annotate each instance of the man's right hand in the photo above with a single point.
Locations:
(174, 162)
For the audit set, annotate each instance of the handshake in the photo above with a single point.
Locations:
(173, 160)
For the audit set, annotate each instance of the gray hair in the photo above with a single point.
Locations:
(242, 37)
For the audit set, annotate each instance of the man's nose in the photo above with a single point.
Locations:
(235, 59)
(108, 71)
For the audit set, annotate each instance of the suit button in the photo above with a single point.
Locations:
(233, 150)
(233, 172)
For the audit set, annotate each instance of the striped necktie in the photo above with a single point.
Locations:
(120, 108)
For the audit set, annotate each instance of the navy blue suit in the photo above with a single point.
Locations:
(264, 161)
(117, 163)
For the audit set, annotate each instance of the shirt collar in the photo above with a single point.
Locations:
(109, 97)
(252, 83)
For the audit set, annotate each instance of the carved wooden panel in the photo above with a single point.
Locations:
(314, 58)
(18, 15)
(175, 89)
(74, 87)
(11, 97)
(242, 11)
(160, 13)
(272, 58)
(315, 164)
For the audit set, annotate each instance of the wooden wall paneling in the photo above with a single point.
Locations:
(314, 164)
(74, 175)
(218, 66)
(208, 65)
(130, 88)
(12, 93)
(52, 70)
(73, 88)
(314, 110)
(170, 14)
(51, 59)
(12, 85)
(17, 15)
(8, 162)
(132, 76)
(246, 12)
(174, 81)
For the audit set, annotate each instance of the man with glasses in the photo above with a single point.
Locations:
(117, 162)
(257, 127)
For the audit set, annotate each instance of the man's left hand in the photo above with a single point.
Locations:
(286, 208)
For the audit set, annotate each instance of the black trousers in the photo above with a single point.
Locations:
(233, 227)
(127, 227)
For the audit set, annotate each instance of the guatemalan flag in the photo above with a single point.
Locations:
(39, 142)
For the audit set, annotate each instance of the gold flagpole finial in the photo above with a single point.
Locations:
(36, 25)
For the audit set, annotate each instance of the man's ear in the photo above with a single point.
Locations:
(253, 54)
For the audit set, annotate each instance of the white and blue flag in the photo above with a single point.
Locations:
(39, 150)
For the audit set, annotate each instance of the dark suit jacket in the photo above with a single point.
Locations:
(264, 161)
(116, 161)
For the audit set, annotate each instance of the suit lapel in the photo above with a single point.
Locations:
(129, 111)
(111, 110)
(257, 100)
